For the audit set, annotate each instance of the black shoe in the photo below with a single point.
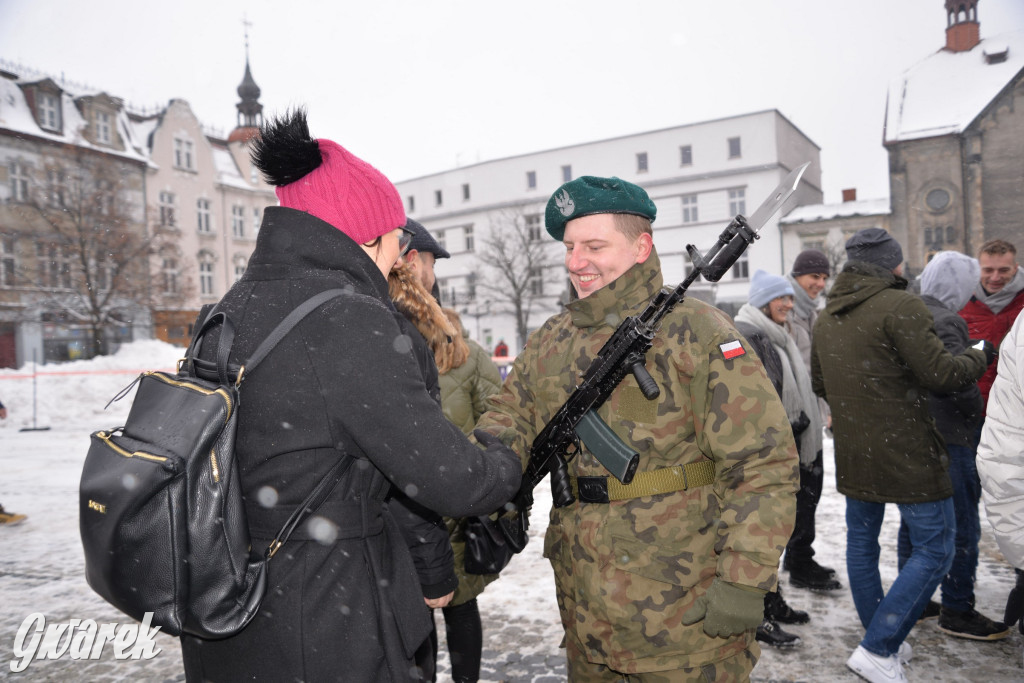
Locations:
(931, 611)
(812, 576)
(808, 565)
(772, 634)
(972, 625)
(777, 609)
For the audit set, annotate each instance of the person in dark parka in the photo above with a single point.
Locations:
(343, 600)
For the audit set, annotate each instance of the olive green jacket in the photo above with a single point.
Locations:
(626, 571)
(874, 357)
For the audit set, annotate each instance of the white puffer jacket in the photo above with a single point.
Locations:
(1001, 451)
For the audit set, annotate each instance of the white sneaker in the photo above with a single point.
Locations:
(876, 669)
(906, 653)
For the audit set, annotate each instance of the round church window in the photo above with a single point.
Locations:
(937, 200)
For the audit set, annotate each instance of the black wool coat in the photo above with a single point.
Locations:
(343, 599)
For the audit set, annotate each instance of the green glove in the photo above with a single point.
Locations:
(727, 609)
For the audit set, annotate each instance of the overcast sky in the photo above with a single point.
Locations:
(421, 86)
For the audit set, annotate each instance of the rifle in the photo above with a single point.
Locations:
(623, 353)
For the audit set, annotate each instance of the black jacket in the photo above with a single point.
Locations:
(343, 601)
(957, 414)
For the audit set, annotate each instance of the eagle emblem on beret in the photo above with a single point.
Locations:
(565, 203)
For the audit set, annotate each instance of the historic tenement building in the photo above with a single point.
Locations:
(116, 225)
(954, 130)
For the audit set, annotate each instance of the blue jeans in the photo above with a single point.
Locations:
(958, 584)
(888, 617)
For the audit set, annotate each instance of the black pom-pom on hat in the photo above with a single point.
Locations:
(284, 151)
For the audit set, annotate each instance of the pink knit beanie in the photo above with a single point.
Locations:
(348, 193)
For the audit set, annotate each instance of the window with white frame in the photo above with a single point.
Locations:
(566, 173)
(104, 197)
(686, 155)
(238, 220)
(48, 110)
(440, 237)
(536, 280)
(54, 265)
(8, 260)
(734, 148)
(468, 231)
(438, 198)
(256, 217)
(169, 274)
(641, 162)
(534, 227)
(410, 203)
(240, 263)
(206, 273)
(184, 156)
(103, 129)
(687, 266)
(56, 187)
(103, 271)
(167, 209)
(203, 215)
(737, 201)
(741, 269)
(531, 180)
(690, 208)
(471, 287)
(465, 192)
(17, 174)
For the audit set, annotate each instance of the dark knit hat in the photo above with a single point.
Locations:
(422, 240)
(874, 245)
(325, 180)
(811, 261)
(588, 195)
(764, 287)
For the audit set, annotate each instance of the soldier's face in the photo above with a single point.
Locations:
(597, 253)
(812, 283)
(997, 270)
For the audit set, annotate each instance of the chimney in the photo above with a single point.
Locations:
(962, 28)
(850, 195)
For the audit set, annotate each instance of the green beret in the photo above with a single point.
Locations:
(588, 195)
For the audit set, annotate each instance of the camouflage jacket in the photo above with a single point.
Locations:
(626, 571)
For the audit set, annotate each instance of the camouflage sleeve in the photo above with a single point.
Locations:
(742, 426)
(511, 415)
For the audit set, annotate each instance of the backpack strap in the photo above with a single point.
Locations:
(286, 325)
(313, 501)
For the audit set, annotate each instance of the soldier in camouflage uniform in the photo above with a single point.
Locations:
(662, 581)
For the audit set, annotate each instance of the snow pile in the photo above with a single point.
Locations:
(73, 394)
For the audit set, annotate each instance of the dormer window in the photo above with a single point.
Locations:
(48, 110)
(103, 127)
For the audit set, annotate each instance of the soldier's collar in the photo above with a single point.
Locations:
(624, 297)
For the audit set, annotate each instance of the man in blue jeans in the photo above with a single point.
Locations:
(874, 357)
(947, 283)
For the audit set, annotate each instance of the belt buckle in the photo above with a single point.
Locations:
(593, 489)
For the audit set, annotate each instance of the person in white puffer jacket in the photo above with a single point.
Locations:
(1001, 462)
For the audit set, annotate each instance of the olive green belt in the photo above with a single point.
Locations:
(651, 483)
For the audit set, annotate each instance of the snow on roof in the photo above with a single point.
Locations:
(227, 169)
(820, 212)
(945, 92)
(16, 116)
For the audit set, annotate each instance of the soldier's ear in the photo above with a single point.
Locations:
(644, 245)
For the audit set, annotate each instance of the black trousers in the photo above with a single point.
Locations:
(812, 478)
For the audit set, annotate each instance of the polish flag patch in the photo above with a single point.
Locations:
(732, 349)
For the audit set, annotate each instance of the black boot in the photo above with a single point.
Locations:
(811, 575)
(772, 634)
(777, 609)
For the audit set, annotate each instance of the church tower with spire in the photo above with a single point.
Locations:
(250, 111)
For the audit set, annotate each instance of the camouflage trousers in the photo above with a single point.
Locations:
(735, 669)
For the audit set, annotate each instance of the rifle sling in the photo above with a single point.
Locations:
(651, 483)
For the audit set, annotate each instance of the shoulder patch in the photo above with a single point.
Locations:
(732, 349)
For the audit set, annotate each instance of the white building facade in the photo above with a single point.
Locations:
(699, 175)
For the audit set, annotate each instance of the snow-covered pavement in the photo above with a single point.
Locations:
(41, 566)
